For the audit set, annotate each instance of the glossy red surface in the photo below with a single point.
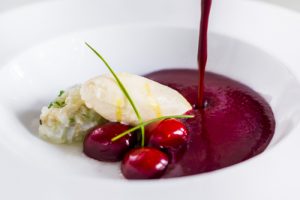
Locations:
(235, 125)
(98, 144)
(170, 134)
(144, 163)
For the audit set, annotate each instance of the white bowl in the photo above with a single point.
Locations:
(44, 52)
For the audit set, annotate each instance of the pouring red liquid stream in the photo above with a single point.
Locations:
(202, 49)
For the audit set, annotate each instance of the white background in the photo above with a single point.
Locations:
(9, 4)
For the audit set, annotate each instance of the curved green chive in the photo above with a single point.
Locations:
(125, 92)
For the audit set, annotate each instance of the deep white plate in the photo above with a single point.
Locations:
(42, 51)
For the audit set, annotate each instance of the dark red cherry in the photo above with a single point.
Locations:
(98, 144)
(168, 134)
(144, 163)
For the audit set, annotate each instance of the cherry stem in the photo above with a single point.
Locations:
(143, 124)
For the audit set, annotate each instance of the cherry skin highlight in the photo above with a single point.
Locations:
(169, 134)
(144, 163)
(98, 144)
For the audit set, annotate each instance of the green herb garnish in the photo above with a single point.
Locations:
(58, 104)
(61, 93)
(123, 89)
(143, 124)
(50, 105)
(72, 121)
(59, 101)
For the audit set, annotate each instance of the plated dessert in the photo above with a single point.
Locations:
(168, 123)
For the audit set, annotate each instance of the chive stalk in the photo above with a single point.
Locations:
(125, 92)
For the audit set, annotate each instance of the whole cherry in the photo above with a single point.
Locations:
(170, 134)
(144, 163)
(98, 144)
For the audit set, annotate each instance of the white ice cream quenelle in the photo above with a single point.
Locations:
(67, 119)
(152, 99)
